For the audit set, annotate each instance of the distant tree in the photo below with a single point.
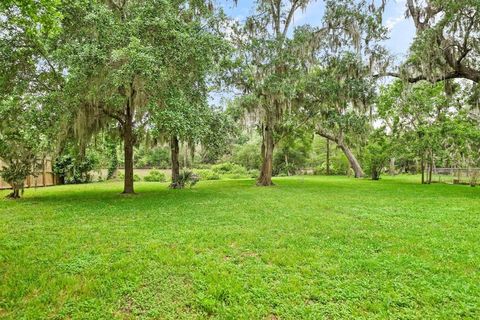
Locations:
(123, 57)
(429, 124)
(271, 61)
(275, 59)
(28, 113)
(342, 95)
(24, 140)
(378, 153)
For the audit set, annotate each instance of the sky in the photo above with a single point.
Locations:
(401, 29)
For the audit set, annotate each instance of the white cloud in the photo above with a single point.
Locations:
(392, 22)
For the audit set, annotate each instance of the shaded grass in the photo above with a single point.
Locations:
(310, 247)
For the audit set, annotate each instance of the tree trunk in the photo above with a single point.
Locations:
(354, 164)
(286, 164)
(392, 167)
(128, 141)
(357, 169)
(268, 145)
(175, 150)
(422, 168)
(15, 194)
(328, 157)
(44, 171)
(185, 156)
(430, 172)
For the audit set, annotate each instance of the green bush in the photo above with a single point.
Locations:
(247, 155)
(207, 174)
(254, 173)
(155, 176)
(147, 157)
(338, 166)
(75, 169)
(203, 166)
(229, 168)
(136, 177)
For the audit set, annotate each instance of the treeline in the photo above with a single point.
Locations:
(143, 74)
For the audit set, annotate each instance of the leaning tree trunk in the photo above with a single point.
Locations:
(175, 150)
(354, 164)
(265, 178)
(128, 141)
(357, 168)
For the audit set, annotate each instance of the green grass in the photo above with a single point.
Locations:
(308, 248)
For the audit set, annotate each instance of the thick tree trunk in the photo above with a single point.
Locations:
(175, 150)
(357, 168)
(265, 178)
(128, 142)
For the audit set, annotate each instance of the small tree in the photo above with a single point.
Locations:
(21, 141)
(378, 153)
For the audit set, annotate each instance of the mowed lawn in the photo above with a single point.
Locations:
(308, 248)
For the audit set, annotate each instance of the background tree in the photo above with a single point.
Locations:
(26, 134)
(430, 124)
(269, 71)
(378, 153)
(341, 93)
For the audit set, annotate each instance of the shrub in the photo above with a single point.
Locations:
(207, 174)
(136, 177)
(185, 178)
(73, 169)
(203, 166)
(248, 155)
(230, 168)
(378, 154)
(155, 176)
(338, 166)
(253, 173)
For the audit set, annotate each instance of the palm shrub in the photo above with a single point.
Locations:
(186, 178)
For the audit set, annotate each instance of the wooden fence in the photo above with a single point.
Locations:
(43, 178)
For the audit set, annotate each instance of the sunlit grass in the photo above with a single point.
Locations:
(310, 247)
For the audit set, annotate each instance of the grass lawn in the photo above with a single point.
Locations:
(308, 248)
